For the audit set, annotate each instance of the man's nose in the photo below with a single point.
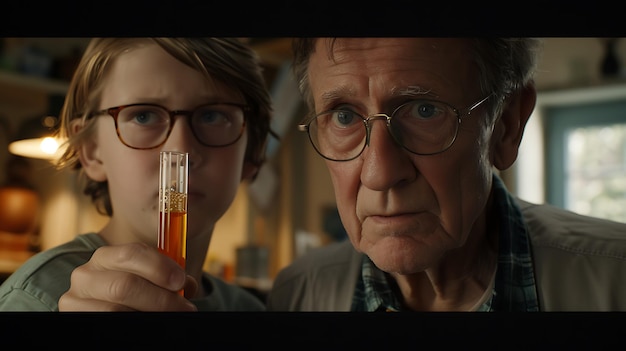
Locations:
(385, 163)
(369, 123)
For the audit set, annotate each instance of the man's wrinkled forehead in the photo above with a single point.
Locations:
(334, 47)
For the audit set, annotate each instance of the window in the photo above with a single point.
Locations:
(584, 164)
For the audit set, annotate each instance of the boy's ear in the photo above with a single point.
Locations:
(509, 128)
(250, 171)
(88, 155)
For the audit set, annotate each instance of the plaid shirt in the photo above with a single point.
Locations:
(514, 288)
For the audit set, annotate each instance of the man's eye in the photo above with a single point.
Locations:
(423, 110)
(344, 118)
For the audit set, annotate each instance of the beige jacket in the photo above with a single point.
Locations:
(580, 265)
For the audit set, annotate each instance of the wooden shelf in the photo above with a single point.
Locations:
(23, 97)
(38, 84)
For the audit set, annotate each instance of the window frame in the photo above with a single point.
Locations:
(535, 174)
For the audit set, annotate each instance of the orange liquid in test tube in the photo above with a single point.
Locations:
(174, 228)
(173, 178)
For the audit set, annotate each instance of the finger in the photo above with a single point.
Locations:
(119, 290)
(71, 303)
(141, 260)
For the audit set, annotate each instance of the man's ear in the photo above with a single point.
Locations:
(88, 155)
(509, 128)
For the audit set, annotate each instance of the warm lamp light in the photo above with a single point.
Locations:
(45, 148)
(36, 140)
(35, 137)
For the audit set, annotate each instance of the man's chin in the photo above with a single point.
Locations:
(396, 255)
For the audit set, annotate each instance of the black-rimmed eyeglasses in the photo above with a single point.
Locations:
(147, 126)
(422, 126)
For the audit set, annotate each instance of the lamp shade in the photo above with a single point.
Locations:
(19, 210)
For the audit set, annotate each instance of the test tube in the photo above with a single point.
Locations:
(173, 179)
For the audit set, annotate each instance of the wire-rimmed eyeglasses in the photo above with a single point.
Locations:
(421, 126)
(147, 126)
